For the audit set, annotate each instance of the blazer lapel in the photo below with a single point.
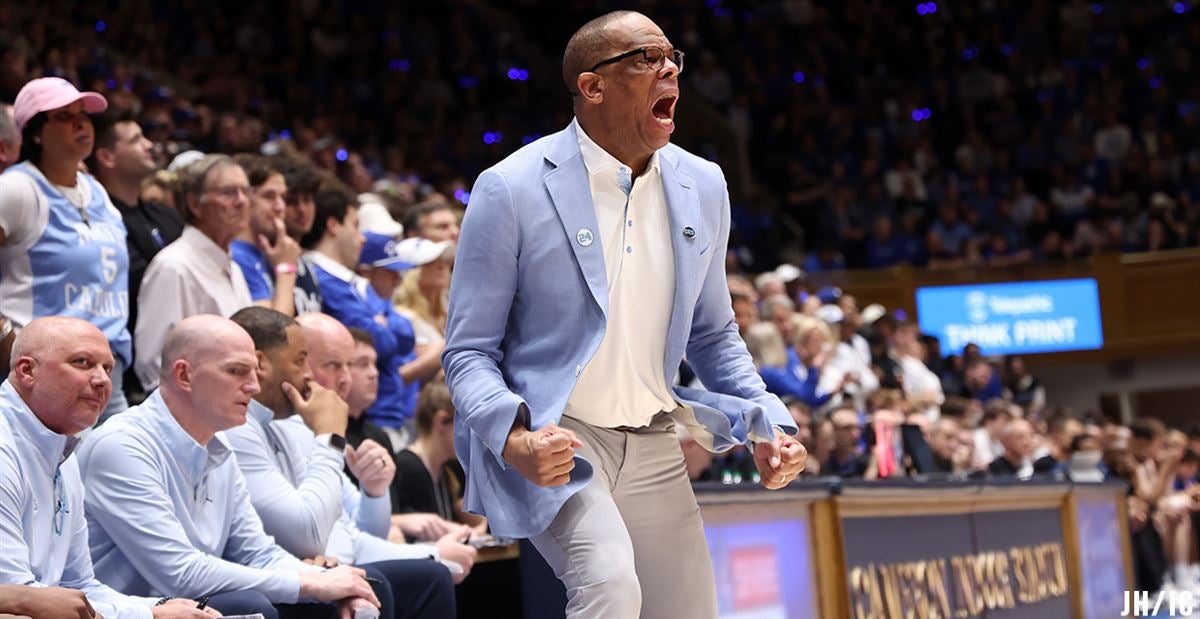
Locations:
(570, 191)
(683, 212)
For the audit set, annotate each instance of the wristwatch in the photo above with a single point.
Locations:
(337, 442)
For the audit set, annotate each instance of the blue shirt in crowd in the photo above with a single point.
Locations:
(794, 381)
(349, 298)
(256, 269)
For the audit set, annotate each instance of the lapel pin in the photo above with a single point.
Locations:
(584, 236)
(689, 232)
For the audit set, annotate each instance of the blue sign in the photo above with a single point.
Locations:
(1013, 318)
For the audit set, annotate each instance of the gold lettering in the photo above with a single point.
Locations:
(1038, 591)
(904, 589)
(968, 595)
(865, 584)
(914, 602)
(987, 589)
(991, 580)
(1041, 587)
(1019, 566)
(1004, 583)
(891, 591)
(936, 576)
(1060, 568)
(856, 592)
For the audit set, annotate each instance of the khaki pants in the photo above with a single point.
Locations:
(631, 543)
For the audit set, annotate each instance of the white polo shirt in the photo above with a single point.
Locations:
(624, 383)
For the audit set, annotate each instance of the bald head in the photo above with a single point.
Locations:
(330, 349)
(52, 333)
(201, 337)
(208, 375)
(61, 368)
(589, 45)
(326, 328)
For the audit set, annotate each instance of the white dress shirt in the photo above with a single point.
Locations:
(171, 517)
(848, 360)
(920, 381)
(305, 500)
(43, 532)
(624, 384)
(192, 275)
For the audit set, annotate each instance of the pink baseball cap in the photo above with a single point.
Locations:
(50, 93)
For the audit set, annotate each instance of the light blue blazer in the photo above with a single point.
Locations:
(528, 307)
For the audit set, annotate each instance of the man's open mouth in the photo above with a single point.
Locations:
(664, 109)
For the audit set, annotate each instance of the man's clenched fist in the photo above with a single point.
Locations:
(544, 456)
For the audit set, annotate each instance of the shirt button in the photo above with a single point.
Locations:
(629, 250)
(630, 223)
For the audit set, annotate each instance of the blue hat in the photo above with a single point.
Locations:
(829, 294)
(381, 250)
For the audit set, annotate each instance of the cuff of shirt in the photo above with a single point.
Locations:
(758, 437)
(493, 427)
(109, 610)
(283, 586)
(375, 514)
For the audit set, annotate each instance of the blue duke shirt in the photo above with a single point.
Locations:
(255, 268)
(171, 517)
(43, 533)
(351, 299)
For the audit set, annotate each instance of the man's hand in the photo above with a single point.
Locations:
(451, 547)
(348, 607)
(336, 584)
(322, 410)
(182, 608)
(424, 527)
(48, 602)
(780, 460)
(283, 250)
(545, 457)
(322, 561)
(372, 465)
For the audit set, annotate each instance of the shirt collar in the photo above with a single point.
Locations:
(259, 413)
(207, 248)
(196, 458)
(331, 266)
(597, 160)
(52, 447)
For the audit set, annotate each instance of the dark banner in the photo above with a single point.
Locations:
(992, 565)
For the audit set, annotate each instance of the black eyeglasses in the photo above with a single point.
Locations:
(654, 57)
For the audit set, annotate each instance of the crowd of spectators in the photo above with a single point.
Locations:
(951, 135)
(945, 135)
(92, 230)
(876, 399)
